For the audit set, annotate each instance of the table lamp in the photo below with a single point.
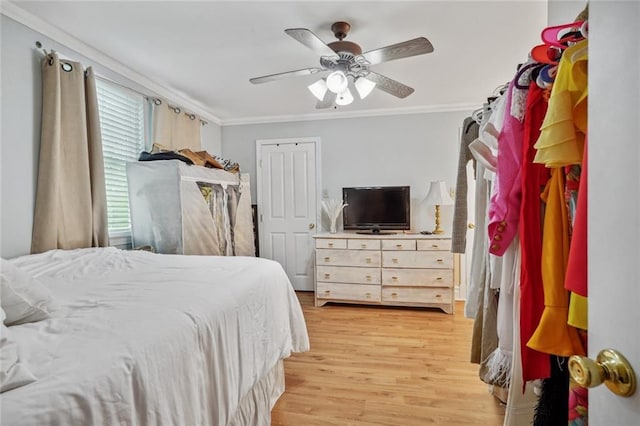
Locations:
(438, 196)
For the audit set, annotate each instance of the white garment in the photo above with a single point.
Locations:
(520, 405)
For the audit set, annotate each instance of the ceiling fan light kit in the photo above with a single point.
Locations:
(364, 87)
(319, 89)
(337, 82)
(344, 98)
(346, 63)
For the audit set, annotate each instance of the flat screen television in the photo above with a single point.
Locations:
(376, 208)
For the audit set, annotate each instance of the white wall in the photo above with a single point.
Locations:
(392, 150)
(20, 134)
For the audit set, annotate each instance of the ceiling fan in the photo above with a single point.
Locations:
(344, 59)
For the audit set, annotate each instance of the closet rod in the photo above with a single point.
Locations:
(146, 96)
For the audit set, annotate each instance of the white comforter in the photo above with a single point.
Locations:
(148, 339)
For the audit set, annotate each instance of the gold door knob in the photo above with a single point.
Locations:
(312, 225)
(471, 226)
(609, 367)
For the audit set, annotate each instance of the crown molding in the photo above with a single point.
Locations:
(338, 115)
(15, 12)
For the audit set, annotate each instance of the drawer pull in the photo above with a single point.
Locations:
(368, 295)
(327, 275)
(394, 294)
(394, 278)
(327, 292)
(368, 277)
(330, 244)
(327, 259)
(368, 260)
(435, 245)
(437, 279)
(363, 246)
(399, 245)
(394, 260)
(440, 260)
(438, 296)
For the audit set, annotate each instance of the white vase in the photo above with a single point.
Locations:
(332, 209)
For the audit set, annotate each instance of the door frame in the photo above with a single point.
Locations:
(260, 143)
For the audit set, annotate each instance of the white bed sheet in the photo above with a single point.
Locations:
(149, 339)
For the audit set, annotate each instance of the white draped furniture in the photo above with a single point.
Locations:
(183, 209)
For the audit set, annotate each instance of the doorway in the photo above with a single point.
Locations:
(287, 195)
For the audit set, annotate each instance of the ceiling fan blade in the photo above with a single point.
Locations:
(312, 41)
(273, 77)
(390, 86)
(417, 46)
(328, 101)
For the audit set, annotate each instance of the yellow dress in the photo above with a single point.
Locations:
(553, 335)
(561, 140)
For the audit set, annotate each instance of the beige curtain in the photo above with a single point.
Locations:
(71, 206)
(175, 128)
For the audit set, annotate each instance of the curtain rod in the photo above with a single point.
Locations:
(154, 99)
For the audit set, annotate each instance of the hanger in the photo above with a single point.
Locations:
(555, 36)
(521, 71)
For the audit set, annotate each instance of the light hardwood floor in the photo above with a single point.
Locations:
(384, 366)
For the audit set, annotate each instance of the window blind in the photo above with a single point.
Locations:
(122, 126)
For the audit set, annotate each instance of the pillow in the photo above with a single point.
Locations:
(13, 373)
(24, 298)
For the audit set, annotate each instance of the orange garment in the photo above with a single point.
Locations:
(553, 335)
(561, 141)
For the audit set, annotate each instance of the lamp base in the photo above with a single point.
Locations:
(438, 230)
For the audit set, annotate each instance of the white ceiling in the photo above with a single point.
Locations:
(208, 50)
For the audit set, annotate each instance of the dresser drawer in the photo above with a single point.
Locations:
(341, 274)
(417, 259)
(326, 257)
(338, 243)
(355, 292)
(436, 245)
(398, 244)
(418, 277)
(416, 294)
(363, 244)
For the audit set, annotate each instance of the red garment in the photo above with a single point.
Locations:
(535, 365)
(576, 277)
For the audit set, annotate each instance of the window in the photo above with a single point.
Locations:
(122, 125)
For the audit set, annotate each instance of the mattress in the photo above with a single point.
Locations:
(149, 339)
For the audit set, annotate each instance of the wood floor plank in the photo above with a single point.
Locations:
(384, 366)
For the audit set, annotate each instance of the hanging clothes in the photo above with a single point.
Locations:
(459, 229)
(534, 177)
(564, 128)
(553, 335)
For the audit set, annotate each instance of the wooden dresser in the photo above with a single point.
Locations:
(396, 270)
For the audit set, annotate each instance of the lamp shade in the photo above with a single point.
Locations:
(344, 98)
(438, 194)
(364, 87)
(319, 89)
(337, 82)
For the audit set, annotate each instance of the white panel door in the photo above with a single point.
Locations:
(287, 205)
(614, 198)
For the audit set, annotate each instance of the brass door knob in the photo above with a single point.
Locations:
(609, 367)
(312, 225)
(471, 226)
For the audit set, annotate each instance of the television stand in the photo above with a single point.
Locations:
(390, 270)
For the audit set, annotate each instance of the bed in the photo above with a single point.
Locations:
(137, 338)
